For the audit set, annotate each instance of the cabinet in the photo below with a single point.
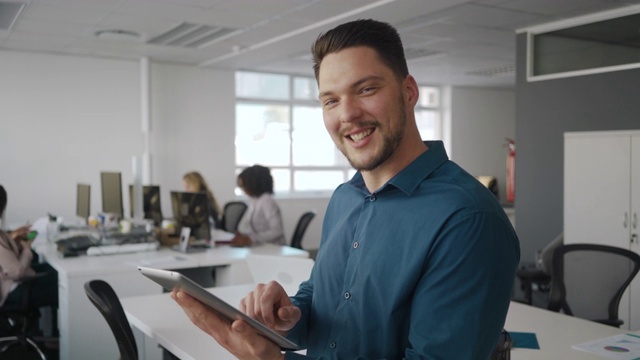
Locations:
(602, 198)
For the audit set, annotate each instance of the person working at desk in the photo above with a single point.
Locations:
(16, 261)
(417, 259)
(194, 182)
(263, 222)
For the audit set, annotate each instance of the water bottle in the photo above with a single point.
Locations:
(52, 228)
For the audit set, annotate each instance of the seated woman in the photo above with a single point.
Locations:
(194, 182)
(262, 223)
(16, 261)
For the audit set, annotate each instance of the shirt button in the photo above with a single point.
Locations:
(347, 295)
(332, 345)
(355, 245)
(372, 198)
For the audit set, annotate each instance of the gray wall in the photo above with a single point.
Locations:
(481, 118)
(544, 111)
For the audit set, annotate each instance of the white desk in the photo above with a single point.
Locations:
(556, 333)
(173, 330)
(84, 334)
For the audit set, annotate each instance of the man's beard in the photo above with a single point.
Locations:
(390, 143)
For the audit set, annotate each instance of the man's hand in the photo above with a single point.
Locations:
(238, 337)
(270, 304)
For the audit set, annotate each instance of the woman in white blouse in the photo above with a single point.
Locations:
(262, 223)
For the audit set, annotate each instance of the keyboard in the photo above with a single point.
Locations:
(77, 243)
(122, 249)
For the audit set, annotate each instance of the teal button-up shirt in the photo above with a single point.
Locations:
(423, 268)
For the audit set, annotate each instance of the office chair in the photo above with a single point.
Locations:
(588, 281)
(20, 319)
(105, 299)
(232, 214)
(301, 228)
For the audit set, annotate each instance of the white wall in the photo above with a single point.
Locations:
(480, 121)
(62, 121)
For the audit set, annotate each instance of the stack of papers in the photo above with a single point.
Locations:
(620, 347)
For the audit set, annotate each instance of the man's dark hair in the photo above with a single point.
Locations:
(379, 36)
(3, 199)
(257, 180)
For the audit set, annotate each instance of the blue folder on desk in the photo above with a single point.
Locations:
(524, 340)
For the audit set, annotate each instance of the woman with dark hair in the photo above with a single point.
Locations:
(262, 223)
(16, 261)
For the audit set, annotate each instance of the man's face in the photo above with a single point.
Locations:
(363, 106)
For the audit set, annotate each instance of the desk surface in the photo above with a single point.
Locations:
(162, 258)
(556, 332)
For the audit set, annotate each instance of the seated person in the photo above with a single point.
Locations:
(16, 261)
(194, 182)
(262, 223)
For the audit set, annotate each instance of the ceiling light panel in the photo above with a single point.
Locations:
(189, 35)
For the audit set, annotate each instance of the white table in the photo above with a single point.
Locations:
(84, 334)
(556, 332)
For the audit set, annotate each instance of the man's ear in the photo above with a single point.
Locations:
(410, 90)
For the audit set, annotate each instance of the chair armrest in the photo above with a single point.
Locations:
(611, 322)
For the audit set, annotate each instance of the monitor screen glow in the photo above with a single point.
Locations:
(83, 201)
(112, 193)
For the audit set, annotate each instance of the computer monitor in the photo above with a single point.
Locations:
(83, 201)
(191, 210)
(112, 193)
(150, 203)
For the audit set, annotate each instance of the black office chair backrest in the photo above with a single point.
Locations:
(105, 299)
(588, 280)
(301, 228)
(232, 214)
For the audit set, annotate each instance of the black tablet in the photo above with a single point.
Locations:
(173, 280)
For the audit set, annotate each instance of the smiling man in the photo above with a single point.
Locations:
(417, 259)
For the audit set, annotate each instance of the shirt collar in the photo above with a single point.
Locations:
(411, 176)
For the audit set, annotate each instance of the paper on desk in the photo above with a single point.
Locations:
(619, 347)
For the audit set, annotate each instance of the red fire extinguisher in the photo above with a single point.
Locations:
(511, 170)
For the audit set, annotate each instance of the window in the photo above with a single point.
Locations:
(279, 124)
(592, 44)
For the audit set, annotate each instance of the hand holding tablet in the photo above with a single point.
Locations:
(171, 280)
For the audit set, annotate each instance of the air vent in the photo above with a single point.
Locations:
(190, 35)
(419, 53)
(9, 13)
(495, 71)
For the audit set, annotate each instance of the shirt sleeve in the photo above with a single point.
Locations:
(467, 284)
(15, 263)
(266, 222)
